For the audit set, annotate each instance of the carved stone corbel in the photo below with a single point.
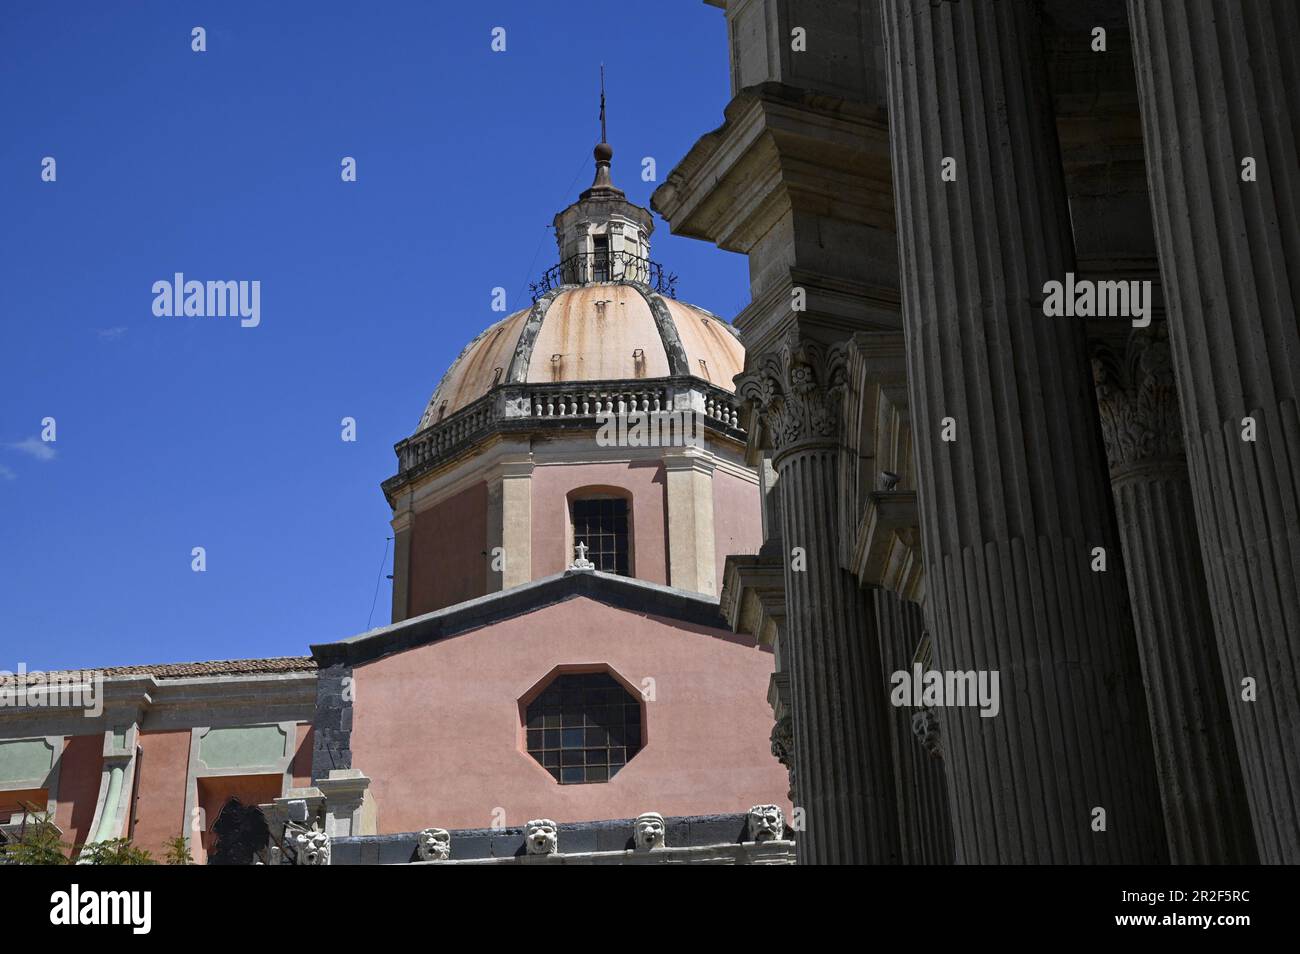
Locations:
(783, 747)
(925, 726)
(434, 844)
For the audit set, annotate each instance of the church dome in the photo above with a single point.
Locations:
(605, 313)
(602, 417)
(601, 331)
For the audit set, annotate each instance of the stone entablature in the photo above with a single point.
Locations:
(516, 408)
(158, 704)
(784, 161)
(764, 853)
(648, 839)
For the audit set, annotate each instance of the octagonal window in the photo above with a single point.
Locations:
(583, 727)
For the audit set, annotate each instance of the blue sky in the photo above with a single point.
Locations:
(174, 433)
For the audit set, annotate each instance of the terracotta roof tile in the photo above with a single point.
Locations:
(214, 667)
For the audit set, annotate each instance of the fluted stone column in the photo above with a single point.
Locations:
(1218, 83)
(919, 785)
(842, 762)
(1012, 507)
(1206, 814)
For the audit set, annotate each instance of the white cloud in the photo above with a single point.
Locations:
(6, 473)
(111, 334)
(35, 447)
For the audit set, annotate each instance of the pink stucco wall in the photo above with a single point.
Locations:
(737, 518)
(644, 480)
(160, 801)
(79, 775)
(301, 767)
(437, 728)
(447, 562)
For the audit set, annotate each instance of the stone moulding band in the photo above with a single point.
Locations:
(524, 406)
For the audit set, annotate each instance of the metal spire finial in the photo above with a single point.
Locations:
(602, 103)
(603, 152)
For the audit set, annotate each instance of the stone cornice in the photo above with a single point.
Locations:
(836, 304)
(623, 592)
(688, 459)
(779, 147)
(518, 410)
(517, 468)
(164, 703)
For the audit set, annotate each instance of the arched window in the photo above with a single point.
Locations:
(602, 524)
(584, 727)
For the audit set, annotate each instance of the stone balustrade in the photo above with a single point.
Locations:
(587, 402)
(529, 404)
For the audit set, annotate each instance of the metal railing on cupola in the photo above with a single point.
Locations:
(587, 267)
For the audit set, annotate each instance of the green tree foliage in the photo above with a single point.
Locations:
(178, 851)
(40, 843)
(114, 851)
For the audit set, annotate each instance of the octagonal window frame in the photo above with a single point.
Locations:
(542, 685)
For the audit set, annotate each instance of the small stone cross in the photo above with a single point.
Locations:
(582, 563)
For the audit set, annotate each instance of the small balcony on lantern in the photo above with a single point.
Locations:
(604, 265)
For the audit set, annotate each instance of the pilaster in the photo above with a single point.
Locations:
(401, 523)
(692, 564)
(117, 780)
(517, 522)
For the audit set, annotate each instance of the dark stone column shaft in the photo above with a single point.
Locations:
(1011, 509)
(919, 784)
(1207, 817)
(1219, 81)
(843, 764)
(842, 758)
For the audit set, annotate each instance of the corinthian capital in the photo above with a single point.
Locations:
(797, 390)
(1138, 401)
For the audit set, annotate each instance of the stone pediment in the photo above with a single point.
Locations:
(619, 591)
